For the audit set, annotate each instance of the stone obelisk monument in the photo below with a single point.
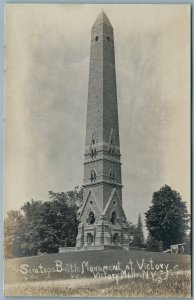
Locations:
(102, 219)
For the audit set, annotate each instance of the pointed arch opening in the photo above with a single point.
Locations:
(91, 218)
(93, 176)
(111, 175)
(93, 151)
(113, 218)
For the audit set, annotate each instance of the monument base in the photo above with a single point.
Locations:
(102, 235)
(90, 248)
(100, 247)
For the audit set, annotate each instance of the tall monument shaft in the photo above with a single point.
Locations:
(102, 219)
(102, 95)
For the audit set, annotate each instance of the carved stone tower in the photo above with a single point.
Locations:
(102, 219)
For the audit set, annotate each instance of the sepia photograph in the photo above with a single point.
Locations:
(97, 150)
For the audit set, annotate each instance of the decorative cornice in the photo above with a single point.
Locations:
(103, 157)
(100, 144)
(102, 182)
(104, 175)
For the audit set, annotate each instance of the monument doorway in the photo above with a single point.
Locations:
(90, 239)
(115, 239)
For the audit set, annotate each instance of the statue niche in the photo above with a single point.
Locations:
(113, 218)
(91, 218)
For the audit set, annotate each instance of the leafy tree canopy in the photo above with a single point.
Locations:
(43, 226)
(167, 219)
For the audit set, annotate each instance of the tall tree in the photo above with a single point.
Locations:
(167, 219)
(131, 232)
(13, 234)
(138, 237)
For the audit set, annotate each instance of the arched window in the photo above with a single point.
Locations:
(96, 38)
(93, 151)
(108, 39)
(111, 175)
(93, 176)
(111, 146)
(91, 218)
(113, 218)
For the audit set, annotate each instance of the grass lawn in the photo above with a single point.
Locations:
(178, 285)
(175, 281)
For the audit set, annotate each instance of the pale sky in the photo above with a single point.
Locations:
(47, 50)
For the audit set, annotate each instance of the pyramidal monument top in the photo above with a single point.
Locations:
(102, 19)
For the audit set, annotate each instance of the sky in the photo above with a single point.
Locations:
(47, 52)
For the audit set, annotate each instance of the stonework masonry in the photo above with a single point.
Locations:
(102, 221)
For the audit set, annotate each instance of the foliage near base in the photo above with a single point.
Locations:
(42, 226)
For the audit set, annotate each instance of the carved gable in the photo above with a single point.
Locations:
(114, 205)
(89, 206)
